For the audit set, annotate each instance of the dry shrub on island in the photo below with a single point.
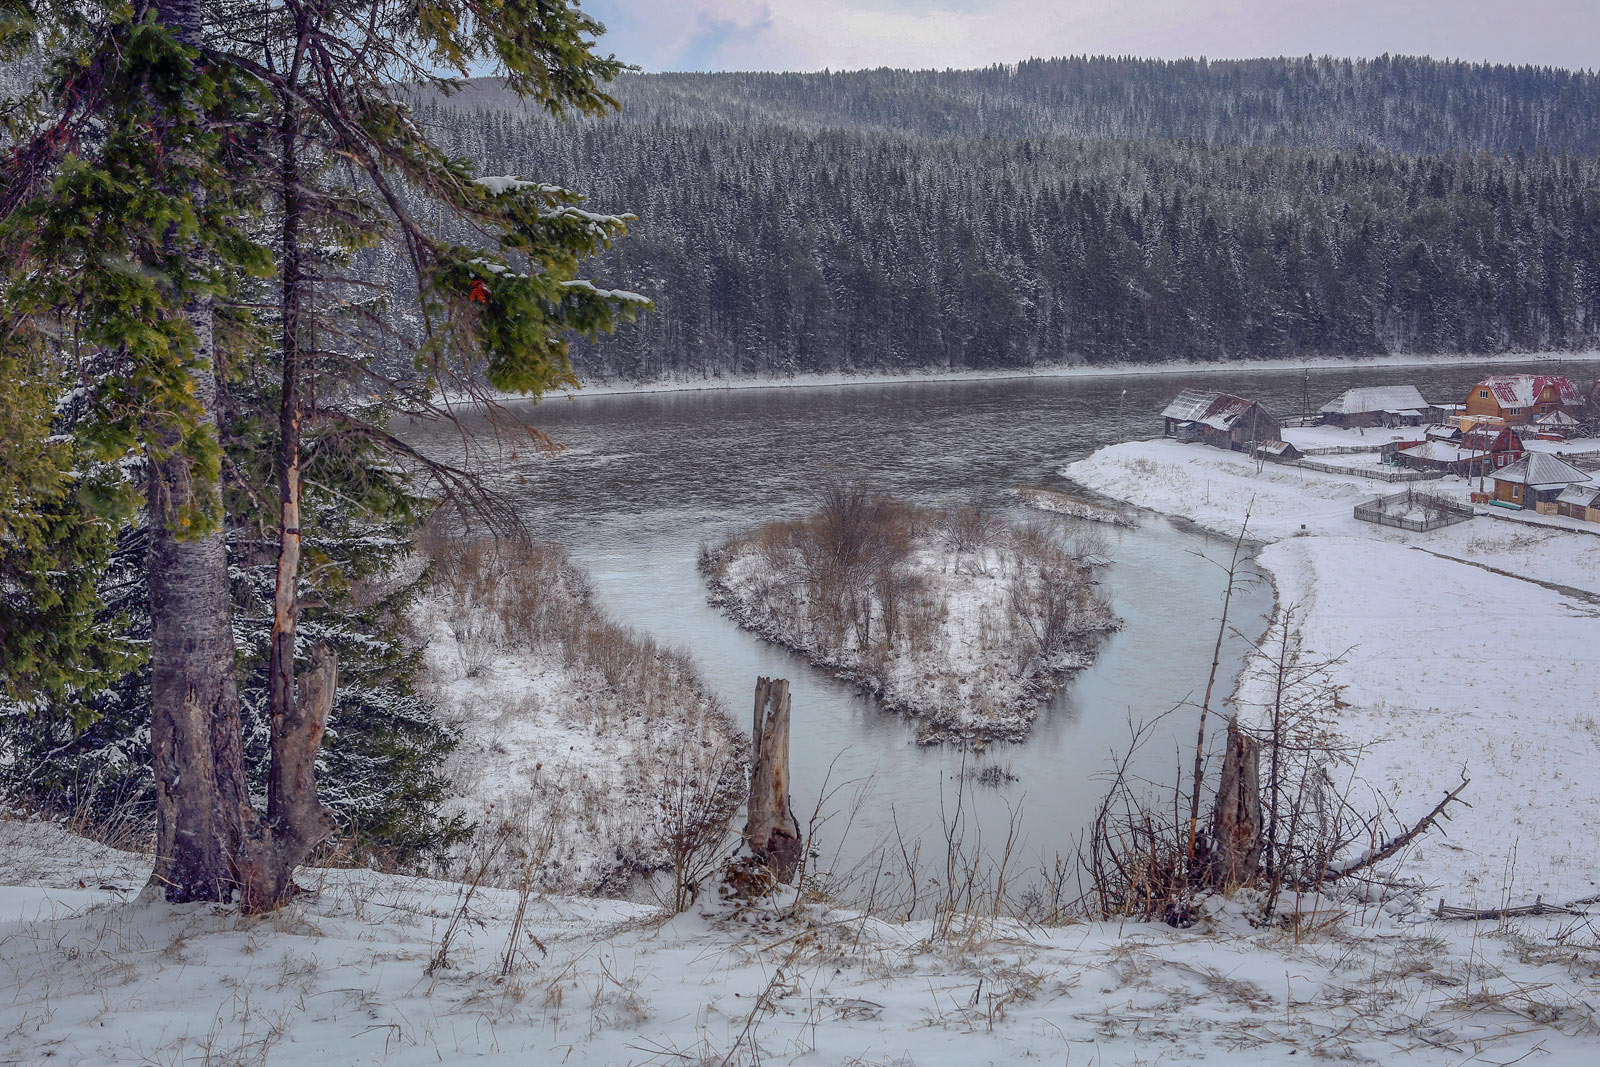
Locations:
(962, 616)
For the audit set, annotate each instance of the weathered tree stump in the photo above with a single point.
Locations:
(1236, 827)
(771, 830)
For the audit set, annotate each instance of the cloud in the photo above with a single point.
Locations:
(845, 34)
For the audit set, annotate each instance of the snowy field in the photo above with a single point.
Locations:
(1456, 658)
(374, 968)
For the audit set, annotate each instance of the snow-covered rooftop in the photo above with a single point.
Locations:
(1218, 410)
(1436, 451)
(1584, 493)
(1523, 390)
(1540, 470)
(1396, 399)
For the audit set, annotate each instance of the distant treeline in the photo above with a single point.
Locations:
(1392, 103)
(1079, 209)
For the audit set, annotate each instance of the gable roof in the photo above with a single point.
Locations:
(1491, 437)
(1220, 411)
(1585, 493)
(1395, 398)
(1522, 390)
(1557, 418)
(1436, 452)
(1189, 405)
(1540, 470)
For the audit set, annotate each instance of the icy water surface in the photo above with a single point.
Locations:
(646, 478)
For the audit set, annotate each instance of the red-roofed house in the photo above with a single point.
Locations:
(1516, 399)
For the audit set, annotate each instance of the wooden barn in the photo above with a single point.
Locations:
(1518, 399)
(1536, 482)
(1378, 405)
(1220, 420)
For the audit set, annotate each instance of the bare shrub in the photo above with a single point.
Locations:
(701, 791)
(1147, 858)
(971, 526)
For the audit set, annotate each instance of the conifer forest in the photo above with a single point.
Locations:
(1078, 210)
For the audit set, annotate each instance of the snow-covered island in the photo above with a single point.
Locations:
(1469, 649)
(961, 618)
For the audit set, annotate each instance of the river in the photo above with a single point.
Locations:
(644, 478)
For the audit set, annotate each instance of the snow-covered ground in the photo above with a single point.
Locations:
(374, 968)
(1456, 657)
(969, 637)
(1373, 437)
(578, 735)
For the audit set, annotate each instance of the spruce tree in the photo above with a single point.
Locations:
(158, 118)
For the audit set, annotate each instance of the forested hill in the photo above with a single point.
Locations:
(1080, 209)
(1393, 103)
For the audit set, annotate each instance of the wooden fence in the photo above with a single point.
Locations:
(1397, 509)
(1374, 473)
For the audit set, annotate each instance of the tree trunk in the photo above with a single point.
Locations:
(203, 808)
(771, 829)
(203, 812)
(296, 821)
(1236, 828)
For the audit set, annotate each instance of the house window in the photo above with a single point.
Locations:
(1513, 411)
(1483, 394)
(1516, 492)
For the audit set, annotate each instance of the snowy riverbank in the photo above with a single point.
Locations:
(835, 379)
(1469, 649)
(582, 741)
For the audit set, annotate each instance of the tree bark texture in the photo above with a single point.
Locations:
(203, 808)
(771, 830)
(1236, 827)
(296, 821)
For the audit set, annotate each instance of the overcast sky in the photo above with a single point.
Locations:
(846, 34)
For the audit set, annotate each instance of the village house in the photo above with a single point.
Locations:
(1378, 405)
(1451, 450)
(1220, 420)
(1500, 445)
(1518, 399)
(1536, 482)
